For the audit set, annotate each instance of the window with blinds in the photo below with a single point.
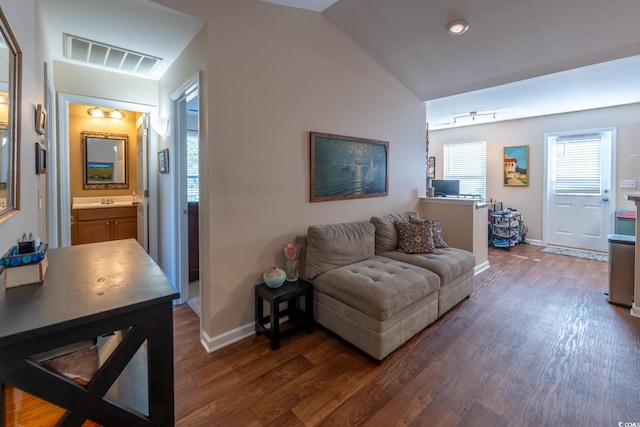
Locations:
(467, 162)
(578, 165)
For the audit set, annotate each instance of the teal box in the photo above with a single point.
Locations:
(626, 226)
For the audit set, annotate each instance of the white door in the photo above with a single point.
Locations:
(142, 180)
(579, 191)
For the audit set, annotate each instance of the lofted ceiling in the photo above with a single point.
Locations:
(519, 58)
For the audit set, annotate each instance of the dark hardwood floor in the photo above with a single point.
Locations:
(536, 344)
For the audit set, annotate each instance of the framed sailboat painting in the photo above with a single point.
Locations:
(345, 167)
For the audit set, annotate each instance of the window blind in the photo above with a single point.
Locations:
(193, 172)
(578, 164)
(467, 161)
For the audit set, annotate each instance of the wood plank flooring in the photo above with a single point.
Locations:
(536, 344)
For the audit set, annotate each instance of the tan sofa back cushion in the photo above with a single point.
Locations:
(335, 245)
(386, 234)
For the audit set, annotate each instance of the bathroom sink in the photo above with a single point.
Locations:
(94, 203)
(100, 205)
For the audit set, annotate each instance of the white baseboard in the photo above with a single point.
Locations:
(216, 343)
(534, 242)
(635, 310)
(234, 335)
(480, 268)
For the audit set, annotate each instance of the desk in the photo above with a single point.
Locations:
(89, 291)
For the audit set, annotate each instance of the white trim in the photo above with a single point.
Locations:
(228, 338)
(179, 186)
(480, 268)
(53, 225)
(535, 242)
(635, 310)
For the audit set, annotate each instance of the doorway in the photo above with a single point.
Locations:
(186, 113)
(65, 101)
(579, 190)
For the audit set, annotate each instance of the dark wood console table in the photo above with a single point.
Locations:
(90, 291)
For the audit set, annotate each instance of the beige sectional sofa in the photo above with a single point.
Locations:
(373, 295)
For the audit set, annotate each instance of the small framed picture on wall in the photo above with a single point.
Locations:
(163, 161)
(41, 158)
(41, 119)
(431, 167)
(516, 166)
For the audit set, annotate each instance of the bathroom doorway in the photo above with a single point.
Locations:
(68, 131)
(186, 111)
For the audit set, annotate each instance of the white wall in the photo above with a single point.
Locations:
(273, 75)
(97, 83)
(190, 62)
(626, 119)
(22, 20)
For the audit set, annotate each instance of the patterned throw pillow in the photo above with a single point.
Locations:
(415, 238)
(436, 230)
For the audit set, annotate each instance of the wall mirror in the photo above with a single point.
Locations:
(105, 161)
(10, 72)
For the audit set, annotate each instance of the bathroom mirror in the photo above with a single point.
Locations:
(10, 72)
(105, 161)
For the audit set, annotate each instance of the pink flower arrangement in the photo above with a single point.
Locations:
(291, 251)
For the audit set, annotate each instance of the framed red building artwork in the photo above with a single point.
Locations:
(516, 166)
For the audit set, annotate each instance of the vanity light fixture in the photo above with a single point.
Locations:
(101, 113)
(473, 115)
(457, 27)
(95, 112)
(116, 114)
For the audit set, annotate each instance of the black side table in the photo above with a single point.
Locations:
(289, 292)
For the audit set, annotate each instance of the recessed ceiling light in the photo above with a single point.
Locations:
(457, 27)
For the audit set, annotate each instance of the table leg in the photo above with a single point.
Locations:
(275, 325)
(259, 312)
(308, 311)
(160, 345)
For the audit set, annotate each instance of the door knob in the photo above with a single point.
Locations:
(606, 199)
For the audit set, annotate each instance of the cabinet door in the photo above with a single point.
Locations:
(125, 228)
(93, 231)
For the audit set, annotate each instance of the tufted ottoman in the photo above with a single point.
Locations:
(376, 304)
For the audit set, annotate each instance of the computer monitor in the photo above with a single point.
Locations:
(446, 187)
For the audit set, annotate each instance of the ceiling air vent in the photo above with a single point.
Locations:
(103, 55)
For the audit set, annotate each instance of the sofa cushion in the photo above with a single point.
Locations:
(436, 230)
(447, 263)
(379, 287)
(386, 234)
(335, 245)
(415, 237)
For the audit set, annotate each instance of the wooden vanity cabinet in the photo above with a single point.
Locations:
(104, 224)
